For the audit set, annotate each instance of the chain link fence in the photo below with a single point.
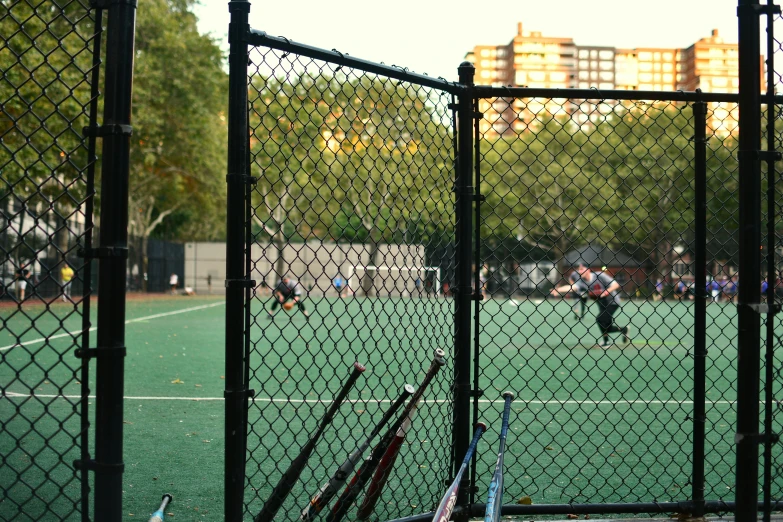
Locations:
(596, 195)
(48, 93)
(604, 275)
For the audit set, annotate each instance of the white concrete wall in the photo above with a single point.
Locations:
(314, 264)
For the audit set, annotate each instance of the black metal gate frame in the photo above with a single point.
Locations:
(466, 96)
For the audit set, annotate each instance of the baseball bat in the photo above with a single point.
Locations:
(159, 515)
(495, 497)
(338, 479)
(384, 469)
(443, 513)
(365, 471)
(291, 475)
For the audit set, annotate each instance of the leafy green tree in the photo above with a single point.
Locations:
(362, 159)
(179, 139)
(45, 93)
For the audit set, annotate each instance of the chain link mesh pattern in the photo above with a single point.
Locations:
(586, 252)
(613, 191)
(46, 98)
(353, 201)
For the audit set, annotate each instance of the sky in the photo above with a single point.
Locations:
(432, 36)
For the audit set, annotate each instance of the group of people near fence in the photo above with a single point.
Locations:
(718, 289)
(25, 282)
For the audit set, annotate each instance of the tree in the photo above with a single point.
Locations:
(362, 159)
(45, 94)
(179, 127)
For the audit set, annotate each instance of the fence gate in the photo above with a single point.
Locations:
(346, 186)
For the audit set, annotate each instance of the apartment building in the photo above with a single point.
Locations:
(534, 60)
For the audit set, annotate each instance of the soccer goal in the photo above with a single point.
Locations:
(394, 281)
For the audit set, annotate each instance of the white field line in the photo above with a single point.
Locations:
(136, 320)
(13, 395)
(513, 302)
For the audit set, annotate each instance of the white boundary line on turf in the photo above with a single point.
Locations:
(136, 320)
(14, 395)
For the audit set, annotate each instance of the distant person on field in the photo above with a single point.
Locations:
(287, 289)
(680, 289)
(715, 290)
(658, 295)
(21, 277)
(66, 275)
(606, 292)
(483, 277)
(731, 289)
(173, 282)
(338, 283)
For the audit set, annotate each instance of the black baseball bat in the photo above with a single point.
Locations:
(361, 477)
(332, 487)
(291, 475)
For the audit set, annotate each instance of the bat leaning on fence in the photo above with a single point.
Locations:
(360, 478)
(332, 487)
(291, 475)
(443, 513)
(384, 470)
(495, 497)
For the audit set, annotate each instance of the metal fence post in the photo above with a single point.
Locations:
(236, 392)
(772, 271)
(110, 352)
(463, 298)
(700, 308)
(748, 319)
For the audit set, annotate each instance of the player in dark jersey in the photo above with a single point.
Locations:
(286, 290)
(605, 290)
(581, 296)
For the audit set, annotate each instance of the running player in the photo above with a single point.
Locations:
(287, 289)
(605, 290)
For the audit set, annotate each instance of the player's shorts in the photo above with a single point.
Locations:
(21, 285)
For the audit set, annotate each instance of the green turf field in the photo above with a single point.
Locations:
(588, 424)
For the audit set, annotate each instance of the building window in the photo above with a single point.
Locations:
(606, 55)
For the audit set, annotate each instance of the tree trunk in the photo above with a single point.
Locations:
(368, 280)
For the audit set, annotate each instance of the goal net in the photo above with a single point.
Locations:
(394, 281)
